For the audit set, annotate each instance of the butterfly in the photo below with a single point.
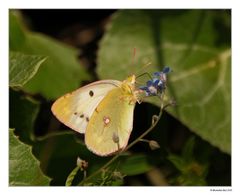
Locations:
(103, 111)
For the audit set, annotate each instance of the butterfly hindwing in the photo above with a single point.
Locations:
(75, 109)
(111, 124)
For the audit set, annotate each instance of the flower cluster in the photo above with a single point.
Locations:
(157, 84)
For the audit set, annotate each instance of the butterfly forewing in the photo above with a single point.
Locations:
(75, 109)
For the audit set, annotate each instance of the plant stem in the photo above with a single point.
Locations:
(125, 149)
(146, 132)
(100, 169)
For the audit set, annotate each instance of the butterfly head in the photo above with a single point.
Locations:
(129, 89)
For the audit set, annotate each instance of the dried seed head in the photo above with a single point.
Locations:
(115, 137)
(118, 175)
(82, 164)
(153, 145)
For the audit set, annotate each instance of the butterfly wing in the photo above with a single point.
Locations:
(75, 109)
(110, 125)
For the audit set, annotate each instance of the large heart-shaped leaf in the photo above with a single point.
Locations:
(196, 45)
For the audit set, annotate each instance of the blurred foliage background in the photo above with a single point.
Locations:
(53, 52)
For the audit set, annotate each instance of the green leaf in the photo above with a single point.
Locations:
(23, 166)
(17, 37)
(188, 149)
(23, 111)
(60, 74)
(71, 176)
(192, 172)
(199, 54)
(178, 162)
(134, 165)
(23, 68)
(58, 152)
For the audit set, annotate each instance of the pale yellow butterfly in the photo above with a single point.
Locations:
(103, 110)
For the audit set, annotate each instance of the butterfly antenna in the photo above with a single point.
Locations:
(145, 73)
(133, 61)
(143, 67)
